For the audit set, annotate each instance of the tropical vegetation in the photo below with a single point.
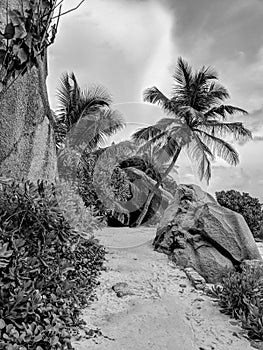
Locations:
(84, 115)
(247, 206)
(48, 268)
(240, 295)
(196, 121)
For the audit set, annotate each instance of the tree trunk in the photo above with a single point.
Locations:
(157, 185)
(27, 143)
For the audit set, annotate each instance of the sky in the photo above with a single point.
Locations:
(129, 45)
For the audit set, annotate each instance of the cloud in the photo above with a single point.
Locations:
(128, 45)
(123, 45)
(226, 35)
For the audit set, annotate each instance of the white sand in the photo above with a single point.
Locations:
(164, 312)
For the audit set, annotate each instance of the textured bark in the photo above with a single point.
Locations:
(27, 144)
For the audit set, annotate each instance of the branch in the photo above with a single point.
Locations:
(57, 5)
(73, 9)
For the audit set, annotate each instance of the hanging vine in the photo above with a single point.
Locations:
(25, 36)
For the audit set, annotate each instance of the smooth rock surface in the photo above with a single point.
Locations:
(196, 231)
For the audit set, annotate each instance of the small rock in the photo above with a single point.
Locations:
(235, 334)
(182, 285)
(122, 289)
(199, 299)
(234, 322)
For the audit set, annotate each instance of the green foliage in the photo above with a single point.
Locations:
(48, 271)
(84, 116)
(84, 220)
(103, 184)
(170, 185)
(196, 119)
(244, 204)
(26, 36)
(240, 295)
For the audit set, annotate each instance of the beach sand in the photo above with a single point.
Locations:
(162, 311)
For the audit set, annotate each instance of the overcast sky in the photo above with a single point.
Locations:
(129, 45)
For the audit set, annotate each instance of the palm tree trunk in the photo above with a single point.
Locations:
(157, 185)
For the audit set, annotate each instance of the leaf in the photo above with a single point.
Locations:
(2, 43)
(38, 338)
(2, 323)
(16, 17)
(22, 55)
(2, 56)
(20, 32)
(9, 31)
(4, 255)
(20, 243)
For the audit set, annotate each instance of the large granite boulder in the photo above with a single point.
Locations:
(196, 231)
(129, 177)
(27, 140)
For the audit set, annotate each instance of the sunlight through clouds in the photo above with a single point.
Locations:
(130, 45)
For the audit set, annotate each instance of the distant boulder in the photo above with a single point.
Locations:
(131, 178)
(197, 232)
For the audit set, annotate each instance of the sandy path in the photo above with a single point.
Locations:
(163, 312)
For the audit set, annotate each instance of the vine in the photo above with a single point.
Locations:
(25, 36)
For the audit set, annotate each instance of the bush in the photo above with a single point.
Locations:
(84, 220)
(246, 205)
(240, 295)
(48, 272)
(103, 184)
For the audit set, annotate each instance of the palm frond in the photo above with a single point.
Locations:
(236, 129)
(170, 146)
(202, 155)
(203, 75)
(223, 111)
(167, 139)
(97, 95)
(146, 134)
(219, 147)
(64, 93)
(218, 91)
(92, 104)
(155, 96)
(94, 131)
(166, 123)
(183, 74)
(157, 141)
(162, 157)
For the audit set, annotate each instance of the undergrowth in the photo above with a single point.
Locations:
(48, 271)
(240, 295)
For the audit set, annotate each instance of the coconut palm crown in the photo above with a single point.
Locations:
(196, 118)
(84, 116)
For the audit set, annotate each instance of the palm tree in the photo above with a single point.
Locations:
(84, 116)
(196, 121)
(83, 120)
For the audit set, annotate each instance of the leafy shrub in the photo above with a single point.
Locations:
(48, 272)
(103, 184)
(84, 220)
(240, 295)
(246, 205)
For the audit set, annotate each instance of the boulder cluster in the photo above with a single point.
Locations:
(197, 232)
